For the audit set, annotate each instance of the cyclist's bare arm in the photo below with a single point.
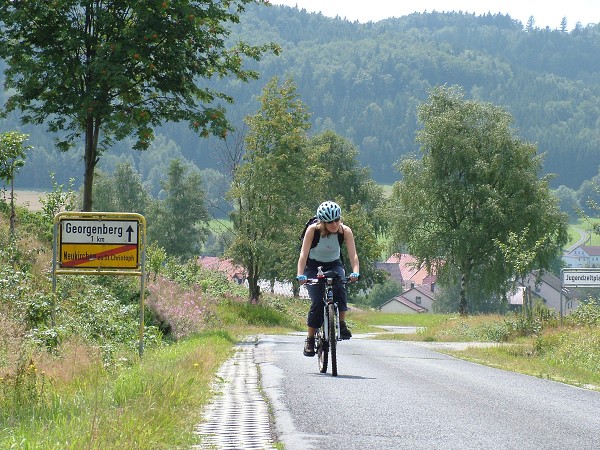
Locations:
(305, 250)
(351, 246)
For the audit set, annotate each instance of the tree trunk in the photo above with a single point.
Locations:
(90, 161)
(253, 287)
(13, 215)
(527, 303)
(462, 306)
(253, 290)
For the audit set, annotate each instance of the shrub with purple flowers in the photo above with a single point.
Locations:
(180, 310)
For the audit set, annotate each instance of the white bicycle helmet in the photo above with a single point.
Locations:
(329, 211)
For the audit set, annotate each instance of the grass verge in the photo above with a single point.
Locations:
(568, 356)
(152, 403)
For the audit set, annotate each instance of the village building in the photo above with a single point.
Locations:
(583, 256)
(417, 283)
(233, 272)
(415, 300)
(545, 288)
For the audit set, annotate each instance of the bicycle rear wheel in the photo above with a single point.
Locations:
(322, 350)
(332, 339)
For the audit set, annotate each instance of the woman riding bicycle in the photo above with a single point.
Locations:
(327, 254)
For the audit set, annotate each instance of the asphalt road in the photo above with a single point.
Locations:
(400, 395)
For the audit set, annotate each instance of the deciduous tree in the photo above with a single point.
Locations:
(475, 184)
(107, 70)
(345, 181)
(178, 223)
(270, 188)
(123, 191)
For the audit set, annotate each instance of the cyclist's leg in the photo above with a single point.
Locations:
(339, 291)
(315, 314)
(339, 294)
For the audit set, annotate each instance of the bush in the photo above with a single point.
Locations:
(261, 315)
(532, 321)
(587, 313)
(179, 311)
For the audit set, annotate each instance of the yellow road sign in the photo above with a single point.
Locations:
(98, 241)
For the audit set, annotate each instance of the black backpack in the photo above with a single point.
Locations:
(317, 236)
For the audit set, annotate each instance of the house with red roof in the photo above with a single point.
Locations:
(405, 270)
(235, 273)
(418, 284)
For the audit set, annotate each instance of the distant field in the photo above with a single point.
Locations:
(29, 199)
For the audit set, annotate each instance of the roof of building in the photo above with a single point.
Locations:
(589, 250)
(592, 250)
(406, 302)
(223, 265)
(411, 270)
(392, 268)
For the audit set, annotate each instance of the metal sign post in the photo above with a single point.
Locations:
(100, 243)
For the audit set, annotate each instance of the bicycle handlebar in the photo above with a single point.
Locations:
(329, 277)
(324, 280)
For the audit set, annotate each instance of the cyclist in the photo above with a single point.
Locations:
(327, 253)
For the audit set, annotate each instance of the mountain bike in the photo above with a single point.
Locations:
(328, 335)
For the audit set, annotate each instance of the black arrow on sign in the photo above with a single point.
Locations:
(129, 231)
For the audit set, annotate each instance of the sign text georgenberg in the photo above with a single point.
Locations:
(94, 230)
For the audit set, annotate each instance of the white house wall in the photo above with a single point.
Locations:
(397, 308)
(426, 302)
(552, 297)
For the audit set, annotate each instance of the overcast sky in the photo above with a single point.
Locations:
(545, 12)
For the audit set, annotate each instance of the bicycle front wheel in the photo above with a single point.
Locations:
(322, 351)
(332, 338)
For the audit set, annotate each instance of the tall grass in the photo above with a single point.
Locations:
(567, 355)
(152, 403)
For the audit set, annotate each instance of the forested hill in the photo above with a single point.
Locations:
(365, 81)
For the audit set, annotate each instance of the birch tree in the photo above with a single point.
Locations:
(474, 186)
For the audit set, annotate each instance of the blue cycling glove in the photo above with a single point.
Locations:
(301, 278)
(355, 275)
